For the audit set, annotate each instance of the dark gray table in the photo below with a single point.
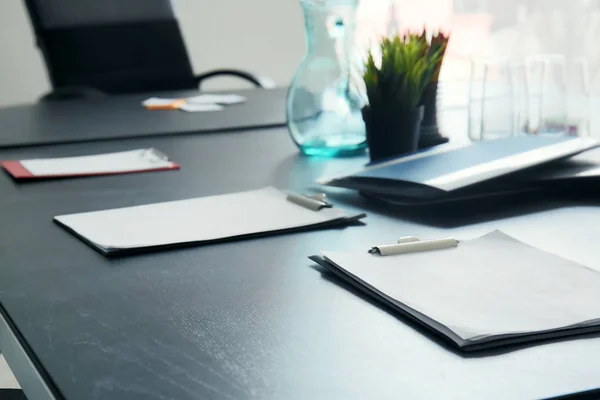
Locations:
(120, 117)
(254, 318)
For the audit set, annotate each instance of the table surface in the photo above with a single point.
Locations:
(120, 117)
(255, 318)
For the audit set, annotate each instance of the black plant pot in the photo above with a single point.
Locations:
(430, 133)
(392, 133)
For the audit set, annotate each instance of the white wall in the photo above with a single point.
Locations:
(262, 36)
(216, 33)
(22, 74)
(267, 36)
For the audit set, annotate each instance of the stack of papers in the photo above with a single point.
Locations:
(487, 292)
(200, 103)
(199, 220)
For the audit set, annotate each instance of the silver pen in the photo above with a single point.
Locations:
(405, 246)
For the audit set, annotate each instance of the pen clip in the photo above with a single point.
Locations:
(154, 156)
(314, 202)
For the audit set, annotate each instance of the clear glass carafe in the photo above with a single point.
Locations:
(325, 99)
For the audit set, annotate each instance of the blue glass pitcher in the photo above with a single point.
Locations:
(325, 99)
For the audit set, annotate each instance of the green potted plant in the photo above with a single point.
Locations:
(395, 91)
(430, 134)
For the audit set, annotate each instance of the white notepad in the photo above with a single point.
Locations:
(198, 220)
(488, 291)
(141, 160)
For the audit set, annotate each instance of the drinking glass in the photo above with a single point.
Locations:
(520, 92)
(491, 108)
(578, 97)
(547, 84)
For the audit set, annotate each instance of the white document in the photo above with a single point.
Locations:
(126, 161)
(158, 101)
(202, 107)
(216, 99)
(195, 220)
(7, 379)
(493, 285)
(199, 103)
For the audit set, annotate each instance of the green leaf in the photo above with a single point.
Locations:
(409, 63)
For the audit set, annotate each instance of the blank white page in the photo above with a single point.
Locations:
(195, 220)
(487, 286)
(125, 161)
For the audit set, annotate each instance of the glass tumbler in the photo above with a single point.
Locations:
(520, 94)
(491, 107)
(578, 97)
(547, 83)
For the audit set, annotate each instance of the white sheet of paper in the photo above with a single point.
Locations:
(7, 379)
(200, 107)
(195, 220)
(487, 286)
(216, 99)
(126, 161)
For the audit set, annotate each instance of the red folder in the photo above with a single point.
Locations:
(95, 165)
